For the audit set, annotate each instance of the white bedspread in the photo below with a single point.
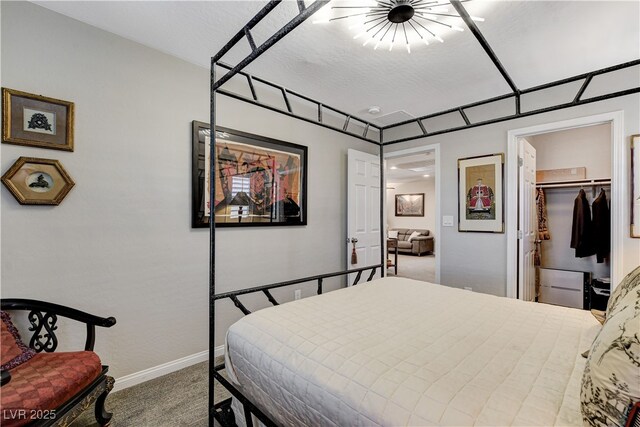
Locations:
(401, 352)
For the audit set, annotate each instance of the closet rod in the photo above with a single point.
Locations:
(581, 183)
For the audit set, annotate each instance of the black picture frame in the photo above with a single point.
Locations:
(297, 208)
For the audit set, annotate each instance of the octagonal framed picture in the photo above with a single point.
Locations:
(34, 181)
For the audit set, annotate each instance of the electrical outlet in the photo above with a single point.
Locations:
(468, 288)
(297, 294)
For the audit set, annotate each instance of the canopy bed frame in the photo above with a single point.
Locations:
(367, 131)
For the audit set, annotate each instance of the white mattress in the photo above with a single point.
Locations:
(401, 352)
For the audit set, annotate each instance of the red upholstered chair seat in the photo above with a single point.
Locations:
(47, 381)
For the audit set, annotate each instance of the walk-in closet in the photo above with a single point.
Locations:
(573, 201)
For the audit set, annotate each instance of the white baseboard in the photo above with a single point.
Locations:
(164, 369)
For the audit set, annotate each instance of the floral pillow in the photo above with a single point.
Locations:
(611, 379)
(14, 351)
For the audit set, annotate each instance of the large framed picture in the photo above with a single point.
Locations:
(480, 194)
(34, 181)
(635, 186)
(36, 120)
(259, 181)
(410, 204)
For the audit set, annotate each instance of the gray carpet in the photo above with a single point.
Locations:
(421, 268)
(178, 399)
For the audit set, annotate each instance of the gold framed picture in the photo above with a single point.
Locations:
(36, 120)
(480, 194)
(34, 181)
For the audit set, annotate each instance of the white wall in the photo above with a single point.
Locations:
(588, 147)
(428, 221)
(479, 259)
(120, 244)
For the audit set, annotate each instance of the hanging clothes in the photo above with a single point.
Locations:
(581, 229)
(601, 226)
(543, 219)
(543, 234)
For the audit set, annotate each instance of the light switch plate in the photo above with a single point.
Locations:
(447, 220)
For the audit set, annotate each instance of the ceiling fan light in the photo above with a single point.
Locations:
(380, 20)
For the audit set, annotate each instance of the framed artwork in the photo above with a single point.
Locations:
(480, 194)
(259, 181)
(410, 204)
(34, 181)
(36, 120)
(635, 186)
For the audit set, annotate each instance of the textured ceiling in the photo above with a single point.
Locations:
(537, 41)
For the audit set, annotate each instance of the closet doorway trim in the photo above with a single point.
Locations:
(619, 189)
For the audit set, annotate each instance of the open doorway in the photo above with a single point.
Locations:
(574, 250)
(411, 215)
(563, 231)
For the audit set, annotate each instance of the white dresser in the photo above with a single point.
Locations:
(564, 287)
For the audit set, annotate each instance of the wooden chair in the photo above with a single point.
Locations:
(51, 388)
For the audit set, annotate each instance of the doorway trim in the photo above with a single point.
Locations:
(408, 152)
(619, 188)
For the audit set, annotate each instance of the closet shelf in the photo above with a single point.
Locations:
(577, 183)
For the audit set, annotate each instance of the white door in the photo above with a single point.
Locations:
(527, 221)
(363, 212)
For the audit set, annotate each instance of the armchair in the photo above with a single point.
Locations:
(40, 387)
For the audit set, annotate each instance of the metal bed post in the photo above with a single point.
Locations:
(212, 244)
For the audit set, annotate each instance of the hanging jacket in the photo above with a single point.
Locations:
(581, 230)
(601, 227)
